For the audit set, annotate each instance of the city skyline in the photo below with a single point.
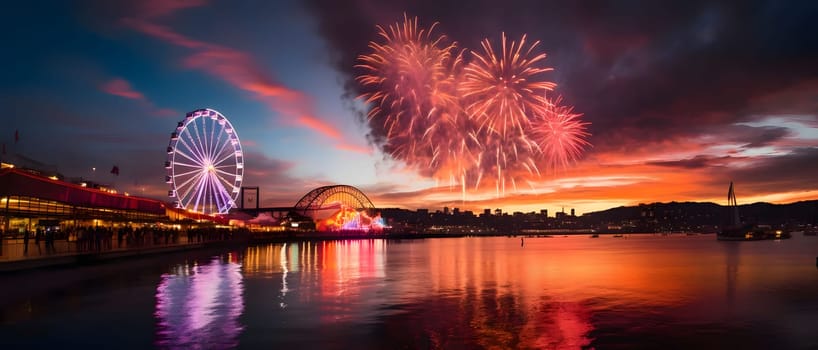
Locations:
(681, 99)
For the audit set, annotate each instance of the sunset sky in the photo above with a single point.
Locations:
(682, 97)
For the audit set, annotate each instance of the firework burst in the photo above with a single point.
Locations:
(488, 119)
(412, 78)
(560, 135)
(504, 92)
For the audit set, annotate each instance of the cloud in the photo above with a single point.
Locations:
(354, 148)
(161, 8)
(762, 136)
(698, 162)
(277, 187)
(796, 170)
(237, 68)
(122, 88)
(679, 72)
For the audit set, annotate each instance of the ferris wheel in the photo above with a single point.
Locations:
(205, 163)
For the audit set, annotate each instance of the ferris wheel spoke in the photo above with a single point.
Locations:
(208, 195)
(208, 139)
(188, 185)
(214, 189)
(198, 142)
(218, 191)
(200, 189)
(223, 159)
(188, 165)
(226, 183)
(223, 194)
(221, 152)
(224, 172)
(196, 157)
(197, 163)
(185, 174)
(219, 149)
(217, 144)
(205, 145)
(214, 196)
(191, 141)
(214, 140)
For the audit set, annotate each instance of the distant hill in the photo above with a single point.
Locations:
(710, 213)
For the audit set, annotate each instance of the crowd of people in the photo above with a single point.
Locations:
(100, 238)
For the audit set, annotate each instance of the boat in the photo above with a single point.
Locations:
(595, 235)
(736, 231)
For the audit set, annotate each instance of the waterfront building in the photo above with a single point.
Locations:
(29, 200)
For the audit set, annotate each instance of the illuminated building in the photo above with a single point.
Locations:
(28, 199)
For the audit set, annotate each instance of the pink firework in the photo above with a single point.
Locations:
(561, 135)
(504, 92)
(485, 121)
(412, 79)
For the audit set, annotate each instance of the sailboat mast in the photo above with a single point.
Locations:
(733, 204)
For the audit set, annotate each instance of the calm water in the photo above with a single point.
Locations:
(475, 293)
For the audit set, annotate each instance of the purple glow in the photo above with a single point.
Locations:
(199, 306)
(205, 163)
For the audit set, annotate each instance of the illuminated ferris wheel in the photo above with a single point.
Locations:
(205, 163)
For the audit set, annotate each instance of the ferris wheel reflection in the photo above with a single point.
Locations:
(199, 306)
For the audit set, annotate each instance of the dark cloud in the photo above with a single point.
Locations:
(796, 171)
(640, 71)
(697, 162)
(754, 137)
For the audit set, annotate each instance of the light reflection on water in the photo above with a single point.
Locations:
(198, 306)
(562, 292)
(473, 293)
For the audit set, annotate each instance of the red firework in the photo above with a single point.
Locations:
(561, 135)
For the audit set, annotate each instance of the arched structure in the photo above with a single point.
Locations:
(326, 197)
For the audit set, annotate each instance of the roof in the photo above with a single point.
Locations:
(16, 182)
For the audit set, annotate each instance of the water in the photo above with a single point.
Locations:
(641, 291)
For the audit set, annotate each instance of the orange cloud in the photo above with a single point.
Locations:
(319, 126)
(354, 148)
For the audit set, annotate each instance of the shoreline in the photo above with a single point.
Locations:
(100, 257)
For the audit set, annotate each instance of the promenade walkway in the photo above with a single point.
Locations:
(15, 254)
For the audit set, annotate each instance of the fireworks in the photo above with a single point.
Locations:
(412, 77)
(561, 135)
(504, 93)
(466, 122)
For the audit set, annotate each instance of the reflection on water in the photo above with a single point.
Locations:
(568, 292)
(199, 306)
(473, 293)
